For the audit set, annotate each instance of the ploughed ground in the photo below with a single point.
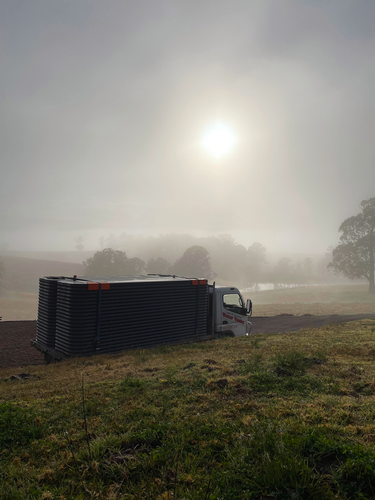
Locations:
(15, 348)
(15, 336)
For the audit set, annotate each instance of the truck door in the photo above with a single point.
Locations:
(234, 314)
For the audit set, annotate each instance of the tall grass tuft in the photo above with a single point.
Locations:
(292, 361)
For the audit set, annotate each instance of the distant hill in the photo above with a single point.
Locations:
(22, 274)
(73, 256)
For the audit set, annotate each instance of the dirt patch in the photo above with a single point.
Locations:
(15, 348)
(283, 324)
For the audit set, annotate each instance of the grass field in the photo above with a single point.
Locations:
(325, 294)
(317, 300)
(273, 417)
(18, 306)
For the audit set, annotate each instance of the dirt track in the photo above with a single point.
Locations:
(15, 336)
(282, 324)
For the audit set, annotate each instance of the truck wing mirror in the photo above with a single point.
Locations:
(249, 307)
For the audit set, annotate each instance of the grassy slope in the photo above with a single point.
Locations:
(210, 420)
(19, 301)
(22, 274)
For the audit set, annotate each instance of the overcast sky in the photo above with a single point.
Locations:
(104, 106)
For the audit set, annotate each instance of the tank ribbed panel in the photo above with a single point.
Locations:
(134, 313)
(47, 304)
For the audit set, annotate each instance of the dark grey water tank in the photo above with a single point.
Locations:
(47, 305)
(127, 312)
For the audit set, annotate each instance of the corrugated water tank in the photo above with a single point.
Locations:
(47, 304)
(127, 312)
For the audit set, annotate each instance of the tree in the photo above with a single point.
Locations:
(308, 267)
(354, 255)
(283, 272)
(324, 273)
(227, 257)
(107, 262)
(79, 243)
(101, 242)
(158, 266)
(298, 272)
(194, 263)
(255, 258)
(135, 266)
(2, 272)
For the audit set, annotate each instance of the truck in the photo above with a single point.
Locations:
(230, 315)
(83, 316)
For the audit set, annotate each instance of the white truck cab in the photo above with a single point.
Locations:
(230, 314)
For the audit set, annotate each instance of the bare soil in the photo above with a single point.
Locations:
(15, 348)
(15, 336)
(289, 323)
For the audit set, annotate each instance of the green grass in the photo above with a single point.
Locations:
(18, 426)
(185, 422)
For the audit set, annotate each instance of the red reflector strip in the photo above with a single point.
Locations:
(91, 285)
(203, 282)
(194, 282)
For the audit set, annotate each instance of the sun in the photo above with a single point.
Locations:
(219, 139)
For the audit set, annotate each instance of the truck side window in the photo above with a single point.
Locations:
(232, 301)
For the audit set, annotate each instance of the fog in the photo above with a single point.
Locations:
(104, 106)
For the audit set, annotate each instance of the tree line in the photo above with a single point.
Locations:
(250, 269)
(221, 257)
(108, 262)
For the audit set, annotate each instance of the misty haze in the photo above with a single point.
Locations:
(187, 219)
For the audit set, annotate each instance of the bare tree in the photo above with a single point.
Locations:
(101, 242)
(79, 243)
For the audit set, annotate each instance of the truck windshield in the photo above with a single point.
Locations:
(232, 300)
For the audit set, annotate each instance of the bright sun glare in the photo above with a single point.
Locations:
(219, 139)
